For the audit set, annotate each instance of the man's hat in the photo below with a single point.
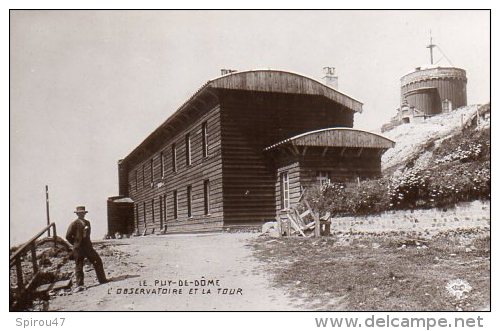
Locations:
(80, 209)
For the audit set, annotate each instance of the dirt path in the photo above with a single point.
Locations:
(224, 258)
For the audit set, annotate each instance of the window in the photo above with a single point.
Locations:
(151, 171)
(206, 196)
(204, 139)
(162, 165)
(285, 190)
(136, 214)
(189, 198)
(446, 106)
(153, 210)
(136, 179)
(188, 149)
(165, 209)
(174, 158)
(323, 177)
(161, 213)
(143, 175)
(176, 205)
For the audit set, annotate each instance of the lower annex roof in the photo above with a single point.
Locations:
(337, 137)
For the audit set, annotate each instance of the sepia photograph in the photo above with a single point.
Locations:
(250, 160)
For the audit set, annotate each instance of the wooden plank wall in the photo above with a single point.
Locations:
(341, 168)
(252, 121)
(200, 169)
(303, 169)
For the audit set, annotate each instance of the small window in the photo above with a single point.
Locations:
(161, 213)
(136, 214)
(206, 196)
(188, 149)
(176, 204)
(323, 177)
(165, 209)
(162, 165)
(153, 210)
(136, 179)
(189, 198)
(285, 190)
(143, 175)
(174, 158)
(204, 139)
(151, 171)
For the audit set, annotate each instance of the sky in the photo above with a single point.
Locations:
(86, 87)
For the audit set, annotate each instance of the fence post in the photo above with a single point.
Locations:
(33, 259)
(55, 236)
(19, 273)
(317, 225)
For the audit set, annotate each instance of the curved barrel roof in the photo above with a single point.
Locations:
(282, 82)
(337, 137)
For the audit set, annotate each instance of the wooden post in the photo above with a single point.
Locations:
(55, 236)
(317, 225)
(33, 259)
(19, 273)
(47, 207)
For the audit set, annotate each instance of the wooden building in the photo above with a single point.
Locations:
(224, 157)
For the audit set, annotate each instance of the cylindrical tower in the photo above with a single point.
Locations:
(434, 90)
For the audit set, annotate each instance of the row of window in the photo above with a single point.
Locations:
(187, 142)
(162, 201)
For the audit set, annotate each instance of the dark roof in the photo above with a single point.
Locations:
(283, 82)
(337, 137)
(263, 81)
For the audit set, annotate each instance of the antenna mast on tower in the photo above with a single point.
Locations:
(431, 46)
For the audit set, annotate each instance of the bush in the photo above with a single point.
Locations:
(470, 145)
(349, 199)
(441, 186)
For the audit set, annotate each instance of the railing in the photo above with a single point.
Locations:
(16, 258)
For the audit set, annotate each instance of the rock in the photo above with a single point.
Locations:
(270, 228)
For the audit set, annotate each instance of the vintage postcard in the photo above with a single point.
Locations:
(226, 160)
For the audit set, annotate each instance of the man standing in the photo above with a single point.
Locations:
(79, 236)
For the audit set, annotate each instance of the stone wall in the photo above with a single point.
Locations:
(468, 215)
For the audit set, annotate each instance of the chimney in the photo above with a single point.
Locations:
(224, 72)
(330, 79)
